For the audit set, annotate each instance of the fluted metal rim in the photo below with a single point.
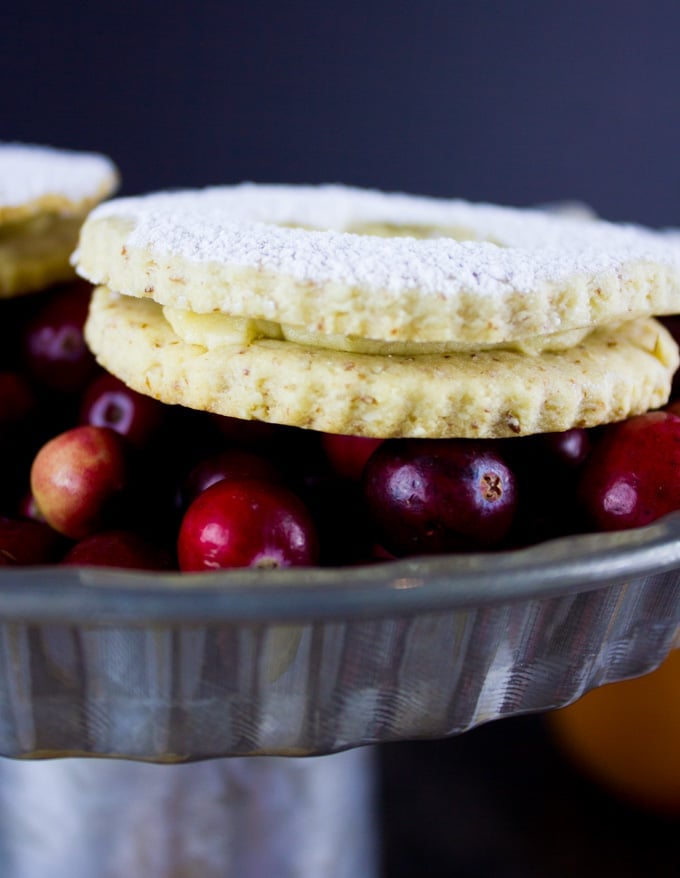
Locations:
(108, 596)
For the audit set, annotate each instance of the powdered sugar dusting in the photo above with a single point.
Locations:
(29, 172)
(248, 225)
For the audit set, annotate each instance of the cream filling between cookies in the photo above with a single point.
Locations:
(40, 244)
(39, 234)
(216, 330)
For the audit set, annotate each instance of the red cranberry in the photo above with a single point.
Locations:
(19, 419)
(568, 449)
(24, 542)
(246, 524)
(546, 467)
(430, 496)
(17, 400)
(632, 475)
(117, 548)
(54, 347)
(380, 553)
(348, 454)
(339, 514)
(76, 476)
(108, 402)
(232, 463)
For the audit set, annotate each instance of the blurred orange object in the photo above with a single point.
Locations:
(626, 737)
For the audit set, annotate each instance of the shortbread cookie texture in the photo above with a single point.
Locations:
(45, 195)
(609, 376)
(379, 266)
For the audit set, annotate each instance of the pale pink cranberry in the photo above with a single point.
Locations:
(246, 524)
(76, 476)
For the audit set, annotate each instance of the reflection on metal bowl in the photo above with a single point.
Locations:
(177, 667)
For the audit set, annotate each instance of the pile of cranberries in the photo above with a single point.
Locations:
(94, 473)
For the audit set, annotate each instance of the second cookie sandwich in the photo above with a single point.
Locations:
(373, 314)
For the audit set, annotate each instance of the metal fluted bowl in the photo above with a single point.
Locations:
(169, 667)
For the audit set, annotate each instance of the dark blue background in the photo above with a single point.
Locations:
(512, 102)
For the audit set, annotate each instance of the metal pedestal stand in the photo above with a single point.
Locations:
(260, 817)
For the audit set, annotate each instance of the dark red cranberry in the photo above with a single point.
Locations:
(232, 463)
(348, 454)
(339, 514)
(54, 348)
(246, 524)
(546, 467)
(17, 400)
(19, 417)
(568, 449)
(632, 475)
(117, 548)
(25, 542)
(108, 402)
(380, 553)
(431, 496)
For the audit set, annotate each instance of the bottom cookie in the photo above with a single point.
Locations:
(613, 374)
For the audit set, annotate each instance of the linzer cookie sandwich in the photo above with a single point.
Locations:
(45, 195)
(380, 315)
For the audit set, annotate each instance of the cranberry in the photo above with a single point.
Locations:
(246, 524)
(546, 467)
(28, 508)
(232, 463)
(76, 476)
(632, 475)
(567, 450)
(23, 541)
(54, 348)
(19, 417)
(17, 400)
(348, 454)
(108, 402)
(429, 496)
(117, 548)
(379, 553)
(339, 515)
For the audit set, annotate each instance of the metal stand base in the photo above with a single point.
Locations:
(260, 817)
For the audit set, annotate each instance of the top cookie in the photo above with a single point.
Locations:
(45, 195)
(388, 267)
(36, 179)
